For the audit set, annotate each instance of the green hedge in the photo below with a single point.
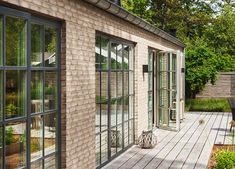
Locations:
(207, 105)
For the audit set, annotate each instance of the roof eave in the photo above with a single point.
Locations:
(124, 14)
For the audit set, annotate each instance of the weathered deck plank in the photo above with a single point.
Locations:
(188, 148)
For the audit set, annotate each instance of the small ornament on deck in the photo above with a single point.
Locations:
(147, 139)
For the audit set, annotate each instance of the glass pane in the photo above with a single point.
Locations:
(150, 77)
(126, 108)
(36, 91)
(150, 61)
(114, 142)
(119, 56)
(131, 132)
(113, 55)
(36, 44)
(1, 40)
(113, 85)
(36, 137)
(113, 108)
(15, 141)
(104, 147)
(131, 113)
(126, 83)
(119, 111)
(104, 54)
(1, 95)
(50, 90)
(50, 163)
(131, 58)
(36, 165)
(15, 94)
(49, 133)
(126, 134)
(163, 62)
(131, 82)
(104, 86)
(50, 47)
(125, 57)
(104, 116)
(97, 149)
(97, 52)
(1, 147)
(119, 138)
(119, 84)
(97, 86)
(173, 66)
(97, 119)
(16, 36)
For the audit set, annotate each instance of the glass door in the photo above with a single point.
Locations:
(167, 102)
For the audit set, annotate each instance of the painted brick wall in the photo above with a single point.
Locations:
(224, 87)
(80, 23)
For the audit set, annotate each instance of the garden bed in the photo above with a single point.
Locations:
(217, 148)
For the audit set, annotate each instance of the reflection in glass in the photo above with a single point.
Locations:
(1, 95)
(104, 146)
(15, 94)
(104, 86)
(119, 138)
(119, 56)
(36, 91)
(15, 141)
(126, 108)
(113, 84)
(113, 55)
(126, 57)
(49, 133)
(104, 116)
(113, 108)
(50, 47)
(37, 165)
(50, 162)
(97, 52)
(97, 119)
(126, 134)
(131, 131)
(36, 44)
(104, 54)
(119, 111)
(119, 84)
(50, 90)
(16, 37)
(97, 150)
(126, 83)
(1, 147)
(1, 40)
(36, 137)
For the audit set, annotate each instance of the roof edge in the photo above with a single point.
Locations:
(126, 15)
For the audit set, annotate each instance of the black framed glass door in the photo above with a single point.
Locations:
(114, 98)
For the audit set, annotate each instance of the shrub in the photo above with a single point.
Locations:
(225, 160)
(208, 105)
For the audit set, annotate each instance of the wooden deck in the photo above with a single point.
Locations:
(188, 148)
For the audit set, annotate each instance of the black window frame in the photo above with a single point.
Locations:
(30, 19)
(123, 42)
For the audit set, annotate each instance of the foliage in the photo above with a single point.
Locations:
(9, 138)
(11, 109)
(225, 160)
(206, 27)
(207, 105)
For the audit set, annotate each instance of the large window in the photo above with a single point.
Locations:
(150, 89)
(114, 98)
(29, 88)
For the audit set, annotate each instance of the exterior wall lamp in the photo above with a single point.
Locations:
(145, 69)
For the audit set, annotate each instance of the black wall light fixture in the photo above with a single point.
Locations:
(145, 69)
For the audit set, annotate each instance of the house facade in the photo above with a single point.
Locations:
(80, 80)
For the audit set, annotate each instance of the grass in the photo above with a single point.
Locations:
(207, 105)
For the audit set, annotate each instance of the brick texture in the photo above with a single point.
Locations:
(80, 23)
(224, 87)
